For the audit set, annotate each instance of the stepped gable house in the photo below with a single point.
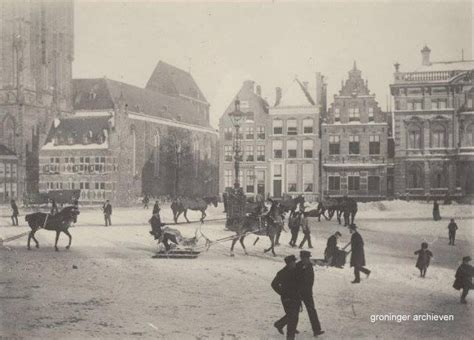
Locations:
(354, 144)
(124, 141)
(434, 128)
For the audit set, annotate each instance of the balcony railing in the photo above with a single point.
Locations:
(426, 76)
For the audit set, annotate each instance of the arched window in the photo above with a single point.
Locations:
(438, 176)
(156, 153)
(415, 176)
(414, 132)
(438, 136)
(468, 138)
(134, 151)
(9, 133)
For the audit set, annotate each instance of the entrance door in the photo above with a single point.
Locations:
(277, 188)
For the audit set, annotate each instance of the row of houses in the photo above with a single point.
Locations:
(298, 146)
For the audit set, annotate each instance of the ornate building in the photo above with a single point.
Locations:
(354, 144)
(434, 128)
(36, 54)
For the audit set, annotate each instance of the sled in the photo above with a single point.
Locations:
(177, 254)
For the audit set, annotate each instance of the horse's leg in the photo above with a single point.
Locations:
(175, 216)
(234, 241)
(34, 238)
(243, 245)
(29, 239)
(203, 215)
(185, 215)
(56, 242)
(70, 238)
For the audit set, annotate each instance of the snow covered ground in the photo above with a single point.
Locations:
(119, 291)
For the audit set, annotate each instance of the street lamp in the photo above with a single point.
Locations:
(236, 118)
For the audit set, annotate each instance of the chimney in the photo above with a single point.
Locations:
(277, 96)
(249, 85)
(425, 56)
(259, 91)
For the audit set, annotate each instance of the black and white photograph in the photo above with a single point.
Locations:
(233, 170)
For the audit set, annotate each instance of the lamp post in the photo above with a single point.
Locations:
(236, 117)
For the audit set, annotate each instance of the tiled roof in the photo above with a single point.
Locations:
(173, 81)
(4, 151)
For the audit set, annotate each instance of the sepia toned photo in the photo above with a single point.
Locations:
(236, 169)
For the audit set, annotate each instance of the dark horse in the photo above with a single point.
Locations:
(181, 205)
(345, 206)
(59, 222)
(269, 224)
(290, 204)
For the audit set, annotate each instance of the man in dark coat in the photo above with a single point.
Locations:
(464, 278)
(436, 214)
(452, 227)
(285, 285)
(107, 209)
(54, 207)
(14, 212)
(331, 249)
(294, 222)
(156, 208)
(357, 254)
(145, 201)
(305, 279)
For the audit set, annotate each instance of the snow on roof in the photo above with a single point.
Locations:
(297, 94)
(461, 65)
(92, 146)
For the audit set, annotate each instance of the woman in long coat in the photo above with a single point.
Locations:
(436, 214)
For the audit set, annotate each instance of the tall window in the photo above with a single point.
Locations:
(308, 177)
(415, 105)
(371, 114)
(277, 170)
(438, 178)
(374, 145)
(354, 114)
(228, 178)
(228, 133)
(337, 114)
(334, 145)
(373, 184)
(438, 136)
(156, 154)
(261, 182)
(354, 183)
(9, 133)
(250, 183)
(277, 149)
(260, 132)
(334, 183)
(228, 153)
(291, 148)
(249, 132)
(415, 177)
(354, 145)
(414, 137)
(277, 127)
(468, 138)
(249, 153)
(260, 153)
(308, 148)
(291, 177)
(291, 127)
(439, 104)
(308, 125)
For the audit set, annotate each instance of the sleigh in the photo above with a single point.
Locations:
(184, 249)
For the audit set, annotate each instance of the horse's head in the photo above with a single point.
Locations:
(214, 200)
(69, 213)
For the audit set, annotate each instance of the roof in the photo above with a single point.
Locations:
(106, 94)
(355, 84)
(460, 65)
(296, 95)
(4, 151)
(173, 81)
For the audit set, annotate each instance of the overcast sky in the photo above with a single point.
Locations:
(225, 43)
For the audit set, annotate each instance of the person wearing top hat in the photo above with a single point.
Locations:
(156, 208)
(331, 249)
(357, 254)
(452, 227)
(14, 212)
(285, 285)
(305, 279)
(464, 278)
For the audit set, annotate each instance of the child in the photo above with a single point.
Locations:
(424, 257)
(464, 278)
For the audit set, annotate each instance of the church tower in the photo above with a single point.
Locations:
(36, 54)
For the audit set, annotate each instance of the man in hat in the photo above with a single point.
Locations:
(305, 279)
(331, 249)
(452, 227)
(306, 230)
(14, 212)
(156, 224)
(464, 278)
(156, 208)
(107, 210)
(285, 285)
(357, 254)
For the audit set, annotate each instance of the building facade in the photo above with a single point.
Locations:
(8, 174)
(433, 124)
(354, 144)
(124, 141)
(36, 54)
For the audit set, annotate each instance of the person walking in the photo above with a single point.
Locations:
(156, 208)
(357, 254)
(285, 285)
(145, 201)
(464, 278)
(306, 231)
(54, 207)
(75, 203)
(436, 214)
(107, 209)
(330, 253)
(294, 223)
(424, 258)
(14, 212)
(305, 279)
(452, 227)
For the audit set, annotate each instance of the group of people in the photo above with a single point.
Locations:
(298, 220)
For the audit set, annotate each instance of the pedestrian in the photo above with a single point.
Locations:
(14, 212)
(306, 231)
(156, 224)
(345, 210)
(75, 203)
(224, 199)
(294, 223)
(156, 208)
(54, 207)
(285, 285)
(424, 258)
(305, 279)
(464, 278)
(145, 202)
(330, 254)
(436, 214)
(357, 254)
(452, 227)
(107, 209)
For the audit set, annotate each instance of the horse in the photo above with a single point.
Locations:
(331, 205)
(269, 224)
(181, 205)
(290, 204)
(349, 209)
(59, 222)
